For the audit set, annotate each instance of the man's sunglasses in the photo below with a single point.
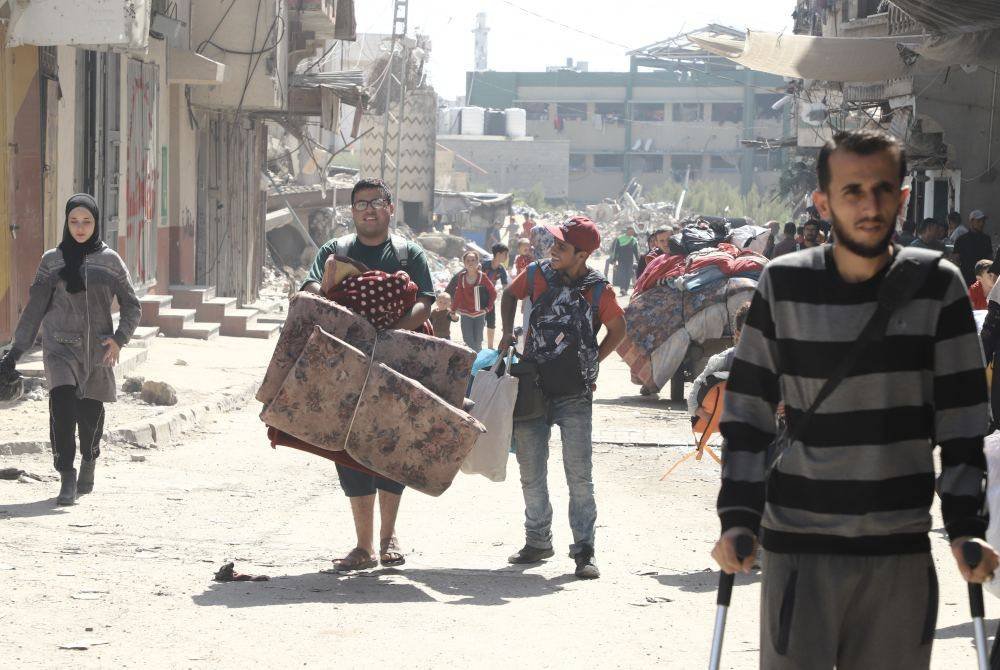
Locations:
(377, 203)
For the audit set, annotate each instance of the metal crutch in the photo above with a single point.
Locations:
(744, 547)
(972, 552)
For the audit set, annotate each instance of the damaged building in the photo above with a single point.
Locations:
(924, 70)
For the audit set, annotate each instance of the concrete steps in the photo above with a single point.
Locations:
(209, 309)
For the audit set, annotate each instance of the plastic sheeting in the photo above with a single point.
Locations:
(869, 59)
(953, 16)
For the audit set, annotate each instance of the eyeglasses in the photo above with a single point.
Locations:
(377, 203)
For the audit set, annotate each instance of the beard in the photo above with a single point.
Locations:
(843, 236)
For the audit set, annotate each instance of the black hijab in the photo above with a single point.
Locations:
(74, 252)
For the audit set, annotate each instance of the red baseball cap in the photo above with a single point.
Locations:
(579, 231)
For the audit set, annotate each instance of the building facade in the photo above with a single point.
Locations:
(158, 109)
(652, 123)
(944, 112)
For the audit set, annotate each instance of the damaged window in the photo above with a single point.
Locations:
(535, 111)
(577, 163)
(648, 111)
(679, 164)
(611, 112)
(727, 112)
(723, 164)
(572, 110)
(609, 162)
(685, 112)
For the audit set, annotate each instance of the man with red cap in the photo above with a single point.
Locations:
(566, 303)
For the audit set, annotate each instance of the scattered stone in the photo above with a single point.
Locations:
(227, 573)
(181, 362)
(158, 393)
(138, 458)
(4, 566)
(17, 474)
(89, 629)
(132, 384)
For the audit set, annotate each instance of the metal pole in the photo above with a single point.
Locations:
(993, 113)
(385, 119)
(972, 552)
(744, 547)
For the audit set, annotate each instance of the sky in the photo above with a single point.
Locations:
(597, 31)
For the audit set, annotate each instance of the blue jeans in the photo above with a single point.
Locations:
(574, 416)
(472, 331)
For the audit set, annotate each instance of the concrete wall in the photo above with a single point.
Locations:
(961, 107)
(513, 165)
(67, 168)
(236, 33)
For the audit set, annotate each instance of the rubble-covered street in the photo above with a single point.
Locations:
(129, 570)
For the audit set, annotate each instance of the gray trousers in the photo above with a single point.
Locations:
(823, 611)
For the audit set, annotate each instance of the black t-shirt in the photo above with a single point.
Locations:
(972, 248)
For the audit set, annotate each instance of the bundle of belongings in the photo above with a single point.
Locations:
(386, 402)
(689, 295)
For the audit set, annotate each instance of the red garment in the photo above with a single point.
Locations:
(977, 295)
(468, 297)
(521, 262)
(381, 298)
(658, 269)
(526, 228)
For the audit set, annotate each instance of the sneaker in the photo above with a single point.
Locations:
(529, 554)
(586, 568)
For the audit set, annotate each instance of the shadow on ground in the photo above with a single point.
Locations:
(652, 402)
(965, 630)
(701, 581)
(45, 507)
(470, 587)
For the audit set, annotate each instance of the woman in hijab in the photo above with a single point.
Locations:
(71, 295)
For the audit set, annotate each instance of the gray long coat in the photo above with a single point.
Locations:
(76, 324)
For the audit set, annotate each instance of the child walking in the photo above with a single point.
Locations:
(71, 295)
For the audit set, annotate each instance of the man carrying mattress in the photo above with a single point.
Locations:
(373, 246)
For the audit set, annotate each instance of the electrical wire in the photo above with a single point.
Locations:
(201, 47)
(257, 52)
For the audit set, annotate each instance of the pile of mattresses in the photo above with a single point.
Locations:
(387, 402)
(663, 322)
(681, 299)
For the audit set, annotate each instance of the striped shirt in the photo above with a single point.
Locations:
(861, 478)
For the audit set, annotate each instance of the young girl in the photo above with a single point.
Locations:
(473, 295)
(72, 294)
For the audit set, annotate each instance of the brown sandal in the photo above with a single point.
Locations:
(358, 559)
(390, 554)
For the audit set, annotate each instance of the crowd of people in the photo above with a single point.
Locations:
(833, 480)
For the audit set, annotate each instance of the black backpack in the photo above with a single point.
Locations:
(562, 335)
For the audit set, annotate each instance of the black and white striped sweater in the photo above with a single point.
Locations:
(862, 481)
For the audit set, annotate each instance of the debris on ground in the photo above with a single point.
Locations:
(227, 573)
(158, 393)
(82, 645)
(132, 384)
(18, 474)
(181, 362)
(138, 458)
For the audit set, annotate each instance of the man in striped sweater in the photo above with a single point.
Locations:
(848, 579)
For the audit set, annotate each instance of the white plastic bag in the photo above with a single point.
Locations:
(991, 448)
(494, 391)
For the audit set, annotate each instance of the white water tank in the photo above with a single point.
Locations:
(473, 120)
(517, 122)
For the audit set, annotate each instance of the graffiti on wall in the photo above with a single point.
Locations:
(142, 174)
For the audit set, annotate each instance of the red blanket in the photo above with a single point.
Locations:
(381, 298)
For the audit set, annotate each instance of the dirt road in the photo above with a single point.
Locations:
(134, 561)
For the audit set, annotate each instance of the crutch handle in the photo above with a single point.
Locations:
(744, 547)
(972, 553)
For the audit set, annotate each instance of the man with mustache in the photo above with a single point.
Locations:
(844, 513)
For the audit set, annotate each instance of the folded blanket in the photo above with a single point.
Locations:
(381, 298)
